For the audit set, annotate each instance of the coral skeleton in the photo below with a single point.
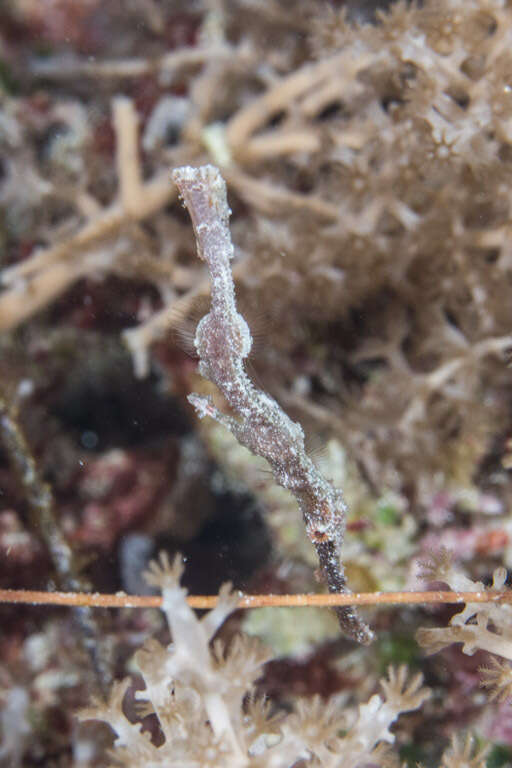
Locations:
(202, 694)
(223, 341)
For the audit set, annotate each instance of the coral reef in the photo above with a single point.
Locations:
(366, 149)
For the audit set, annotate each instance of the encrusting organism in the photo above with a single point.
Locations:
(223, 341)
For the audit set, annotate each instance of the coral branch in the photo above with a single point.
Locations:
(273, 200)
(48, 279)
(248, 120)
(128, 165)
(66, 68)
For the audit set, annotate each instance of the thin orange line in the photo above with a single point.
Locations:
(121, 600)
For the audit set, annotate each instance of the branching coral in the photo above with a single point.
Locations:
(198, 693)
(462, 753)
(485, 627)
